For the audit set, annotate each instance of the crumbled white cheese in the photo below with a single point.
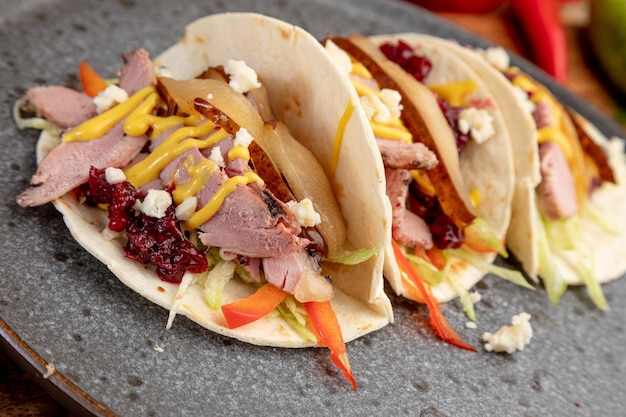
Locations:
(216, 156)
(49, 371)
(339, 56)
(187, 208)
(114, 175)
(524, 100)
(374, 108)
(510, 338)
(380, 108)
(242, 77)
(243, 137)
(305, 212)
(477, 122)
(156, 203)
(109, 97)
(471, 325)
(391, 99)
(496, 56)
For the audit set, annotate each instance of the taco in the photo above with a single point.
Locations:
(449, 217)
(568, 225)
(221, 184)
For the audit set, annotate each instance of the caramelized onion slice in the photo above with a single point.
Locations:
(307, 179)
(423, 118)
(299, 167)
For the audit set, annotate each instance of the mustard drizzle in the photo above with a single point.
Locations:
(138, 111)
(228, 186)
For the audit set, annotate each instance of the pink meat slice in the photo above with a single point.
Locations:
(137, 72)
(61, 105)
(285, 272)
(407, 228)
(67, 166)
(396, 154)
(557, 192)
(250, 222)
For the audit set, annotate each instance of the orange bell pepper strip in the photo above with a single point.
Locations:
(437, 319)
(437, 258)
(91, 81)
(254, 306)
(327, 330)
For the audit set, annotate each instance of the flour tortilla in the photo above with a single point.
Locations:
(603, 247)
(308, 93)
(486, 167)
(521, 235)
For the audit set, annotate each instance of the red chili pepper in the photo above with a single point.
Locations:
(437, 319)
(327, 329)
(460, 6)
(542, 24)
(91, 81)
(253, 307)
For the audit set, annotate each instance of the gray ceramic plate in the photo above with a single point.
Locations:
(58, 305)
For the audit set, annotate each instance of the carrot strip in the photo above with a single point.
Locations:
(327, 329)
(254, 306)
(91, 81)
(437, 319)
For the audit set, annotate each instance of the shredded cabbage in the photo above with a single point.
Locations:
(296, 318)
(464, 296)
(552, 280)
(38, 123)
(597, 215)
(480, 229)
(427, 271)
(582, 249)
(215, 281)
(354, 257)
(178, 298)
(470, 257)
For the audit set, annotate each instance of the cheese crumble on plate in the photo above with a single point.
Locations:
(510, 338)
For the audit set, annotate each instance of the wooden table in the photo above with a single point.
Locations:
(21, 396)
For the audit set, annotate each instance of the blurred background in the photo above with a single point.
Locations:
(582, 43)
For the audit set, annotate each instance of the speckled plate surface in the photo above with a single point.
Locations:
(60, 306)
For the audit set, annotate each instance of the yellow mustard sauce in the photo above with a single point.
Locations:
(239, 151)
(199, 175)
(552, 133)
(476, 197)
(339, 134)
(102, 123)
(176, 144)
(228, 186)
(423, 182)
(393, 128)
(138, 111)
(456, 93)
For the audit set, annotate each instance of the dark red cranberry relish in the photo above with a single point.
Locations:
(419, 67)
(150, 239)
(451, 113)
(445, 233)
(403, 55)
